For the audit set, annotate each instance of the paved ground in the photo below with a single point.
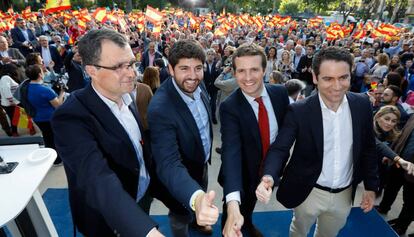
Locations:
(56, 178)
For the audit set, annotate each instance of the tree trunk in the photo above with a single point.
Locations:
(395, 12)
(128, 6)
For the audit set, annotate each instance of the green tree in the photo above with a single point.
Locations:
(290, 7)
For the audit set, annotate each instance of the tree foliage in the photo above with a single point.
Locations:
(290, 7)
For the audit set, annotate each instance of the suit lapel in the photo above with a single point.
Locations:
(316, 123)
(184, 112)
(104, 115)
(353, 107)
(250, 118)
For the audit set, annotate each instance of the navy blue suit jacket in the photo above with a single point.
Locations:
(101, 166)
(56, 58)
(241, 143)
(303, 125)
(18, 39)
(210, 77)
(176, 144)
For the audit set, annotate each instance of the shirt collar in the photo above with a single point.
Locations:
(324, 107)
(126, 100)
(251, 99)
(187, 99)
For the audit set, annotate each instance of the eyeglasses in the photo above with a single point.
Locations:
(120, 67)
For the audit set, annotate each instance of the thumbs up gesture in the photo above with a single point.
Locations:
(205, 211)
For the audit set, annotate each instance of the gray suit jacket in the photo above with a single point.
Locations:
(15, 54)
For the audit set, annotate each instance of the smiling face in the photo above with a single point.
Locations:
(249, 74)
(188, 74)
(333, 82)
(387, 122)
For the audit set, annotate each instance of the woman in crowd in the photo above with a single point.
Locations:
(49, 75)
(385, 128)
(401, 178)
(381, 68)
(45, 101)
(9, 74)
(142, 99)
(151, 77)
(285, 66)
(165, 53)
(271, 62)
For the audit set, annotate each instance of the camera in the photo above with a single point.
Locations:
(60, 83)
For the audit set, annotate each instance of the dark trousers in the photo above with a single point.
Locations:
(10, 112)
(48, 137)
(213, 103)
(396, 180)
(246, 209)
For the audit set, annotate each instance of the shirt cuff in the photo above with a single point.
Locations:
(193, 197)
(233, 196)
(151, 231)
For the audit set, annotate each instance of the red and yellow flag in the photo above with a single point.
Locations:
(153, 15)
(57, 5)
(100, 14)
(21, 119)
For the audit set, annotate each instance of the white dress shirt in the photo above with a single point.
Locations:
(46, 56)
(337, 166)
(273, 126)
(128, 122)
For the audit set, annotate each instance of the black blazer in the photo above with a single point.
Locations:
(210, 76)
(75, 72)
(303, 125)
(101, 167)
(241, 143)
(176, 144)
(145, 60)
(18, 39)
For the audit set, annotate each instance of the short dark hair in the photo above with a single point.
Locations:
(11, 70)
(294, 86)
(33, 71)
(395, 90)
(186, 49)
(331, 53)
(90, 45)
(249, 49)
(159, 62)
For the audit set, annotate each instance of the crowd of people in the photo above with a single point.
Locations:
(131, 115)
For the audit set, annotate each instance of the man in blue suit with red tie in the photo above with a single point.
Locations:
(250, 120)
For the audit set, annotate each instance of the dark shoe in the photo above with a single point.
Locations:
(253, 231)
(380, 210)
(8, 132)
(214, 121)
(218, 150)
(398, 229)
(411, 235)
(205, 230)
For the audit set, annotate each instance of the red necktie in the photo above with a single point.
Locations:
(263, 126)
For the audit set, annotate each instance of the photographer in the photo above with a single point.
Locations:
(45, 101)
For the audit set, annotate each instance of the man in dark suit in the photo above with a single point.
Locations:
(23, 38)
(149, 56)
(211, 72)
(43, 28)
(243, 146)
(334, 151)
(99, 137)
(49, 54)
(181, 138)
(304, 69)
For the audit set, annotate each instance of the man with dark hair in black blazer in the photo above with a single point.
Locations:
(334, 151)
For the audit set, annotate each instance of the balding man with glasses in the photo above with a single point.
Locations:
(99, 136)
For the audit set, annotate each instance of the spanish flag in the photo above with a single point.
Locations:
(57, 5)
(153, 15)
(21, 119)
